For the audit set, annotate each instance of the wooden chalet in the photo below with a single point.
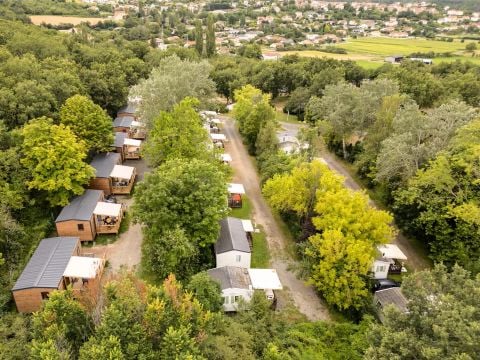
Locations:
(133, 128)
(110, 176)
(128, 110)
(88, 215)
(55, 264)
(126, 147)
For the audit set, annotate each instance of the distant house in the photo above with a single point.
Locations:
(392, 296)
(290, 144)
(55, 264)
(389, 261)
(126, 147)
(238, 284)
(127, 124)
(110, 176)
(88, 215)
(233, 247)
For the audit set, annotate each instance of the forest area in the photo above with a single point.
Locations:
(411, 132)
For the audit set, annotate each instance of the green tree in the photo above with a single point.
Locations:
(55, 159)
(108, 349)
(342, 254)
(206, 291)
(199, 37)
(210, 45)
(189, 194)
(177, 134)
(62, 322)
(88, 122)
(169, 83)
(171, 251)
(440, 203)
(417, 138)
(441, 322)
(252, 109)
(471, 47)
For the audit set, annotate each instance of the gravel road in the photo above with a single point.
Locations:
(304, 296)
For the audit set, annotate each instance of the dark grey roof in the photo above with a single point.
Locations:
(104, 164)
(119, 139)
(129, 109)
(231, 277)
(123, 121)
(81, 207)
(393, 296)
(47, 264)
(232, 236)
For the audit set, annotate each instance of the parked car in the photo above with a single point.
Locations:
(382, 284)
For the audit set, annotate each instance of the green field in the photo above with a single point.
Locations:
(371, 52)
(386, 46)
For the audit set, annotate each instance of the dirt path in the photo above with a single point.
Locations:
(304, 296)
(126, 250)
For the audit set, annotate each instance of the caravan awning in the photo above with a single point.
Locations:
(122, 172)
(218, 137)
(82, 267)
(226, 157)
(247, 226)
(137, 124)
(264, 279)
(132, 142)
(108, 209)
(236, 188)
(391, 251)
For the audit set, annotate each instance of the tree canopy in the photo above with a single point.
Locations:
(169, 83)
(54, 157)
(89, 122)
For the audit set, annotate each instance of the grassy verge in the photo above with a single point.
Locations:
(292, 119)
(245, 212)
(260, 253)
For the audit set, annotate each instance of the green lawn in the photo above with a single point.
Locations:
(245, 212)
(282, 117)
(369, 65)
(260, 253)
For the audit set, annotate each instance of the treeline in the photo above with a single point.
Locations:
(301, 78)
(53, 7)
(418, 160)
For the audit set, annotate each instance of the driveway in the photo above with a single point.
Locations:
(304, 296)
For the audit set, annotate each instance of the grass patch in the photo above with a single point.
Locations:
(282, 117)
(260, 253)
(245, 212)
(369, 65)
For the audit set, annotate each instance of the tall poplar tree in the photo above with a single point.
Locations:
(210, 37)
(199, 37)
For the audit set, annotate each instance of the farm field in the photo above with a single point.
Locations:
(370, 52)
(387, 46)
(59, 19)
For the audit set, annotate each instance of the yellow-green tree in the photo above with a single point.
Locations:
(296, 191)
(252, 109)
(342, 253)
(54, 156)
